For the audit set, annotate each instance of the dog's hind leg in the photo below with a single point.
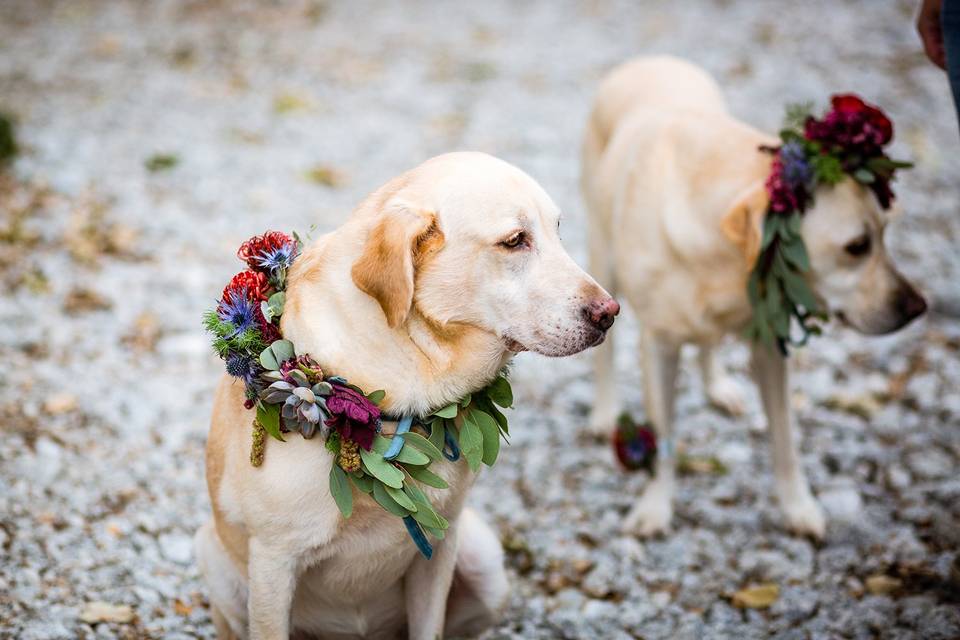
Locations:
(803, 513)
(479, 590)
(659, 359)
(721, 389)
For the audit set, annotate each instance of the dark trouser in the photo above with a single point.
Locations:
(950, 24)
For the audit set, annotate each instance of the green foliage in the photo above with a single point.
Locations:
(268, 415)
(827, 169)
(340, 490)
(797, 114)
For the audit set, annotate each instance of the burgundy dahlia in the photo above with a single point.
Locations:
(353, 416)
(255, 284)
(784, 197)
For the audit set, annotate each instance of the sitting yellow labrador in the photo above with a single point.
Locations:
(677, 191)
(433, 284)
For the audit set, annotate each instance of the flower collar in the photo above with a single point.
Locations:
(848, 141)
(292, 394)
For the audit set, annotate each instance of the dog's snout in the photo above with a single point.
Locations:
(911, 303)
(602, 312)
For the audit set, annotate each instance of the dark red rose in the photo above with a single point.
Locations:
(857, 128)
(254, 283)
(353, 416)
(258, 245)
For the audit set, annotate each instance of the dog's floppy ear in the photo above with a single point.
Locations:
(395, 244)
(743, 222)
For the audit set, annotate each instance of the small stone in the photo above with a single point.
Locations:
(60, 403)
(176, 548)
(930, 464)
(94, 612)
(842, 501)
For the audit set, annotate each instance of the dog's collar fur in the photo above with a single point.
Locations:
(291, 393)
(848, 141)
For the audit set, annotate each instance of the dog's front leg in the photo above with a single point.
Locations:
(272, 580)
(803, 514)
(659, 358)
(427, 587)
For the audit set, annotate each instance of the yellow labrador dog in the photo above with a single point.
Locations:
(435, 281)
(675, 187)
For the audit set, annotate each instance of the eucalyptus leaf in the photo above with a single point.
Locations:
(864, 176)
(491, 436)
(362, 482)
(449, 411)
(340, 490)
(430, 518)
(500, 392)
(411, 455)
(437, 430)
(402, 499)
(384, 500)
(275, 303)
(427, 477)
(471, 442)
(268, 415)
(376, 397)
(381, 469)
(424, 445)
(796, 254)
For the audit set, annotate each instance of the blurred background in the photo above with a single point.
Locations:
(152, 138)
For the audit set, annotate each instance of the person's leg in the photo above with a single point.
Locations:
(950, 25)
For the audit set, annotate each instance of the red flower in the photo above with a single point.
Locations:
(258, 245)
(255, 285)
(634, 445)
(353, 416)
(268, 331)
(853, 125)
(783, 197)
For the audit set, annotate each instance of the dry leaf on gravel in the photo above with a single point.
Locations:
(882, 584)
(756, 597)
(60, 403)
(325, 175)
(80, 300)
(94, 612)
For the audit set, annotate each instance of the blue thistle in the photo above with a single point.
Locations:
(277, 261)
(797, 171)
(241, 366)
(237, 309)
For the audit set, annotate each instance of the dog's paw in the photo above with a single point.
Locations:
(804, 516)
(651, 515)
(603, 420)
(726, 394)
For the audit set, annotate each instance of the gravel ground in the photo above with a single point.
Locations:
(157, 136)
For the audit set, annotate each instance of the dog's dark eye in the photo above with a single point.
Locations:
(517, 240)
(859, 246)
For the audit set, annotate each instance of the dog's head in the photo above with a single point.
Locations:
(467, 239)
(850, 269)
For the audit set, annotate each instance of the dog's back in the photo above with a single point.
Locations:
(656, 82)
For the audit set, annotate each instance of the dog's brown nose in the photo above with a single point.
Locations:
(602, 312)
(911, 303)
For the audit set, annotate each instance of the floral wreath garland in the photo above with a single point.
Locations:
(292, 394)
(847, 141)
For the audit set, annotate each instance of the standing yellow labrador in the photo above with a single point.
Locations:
(436, 280)
(675, 187)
